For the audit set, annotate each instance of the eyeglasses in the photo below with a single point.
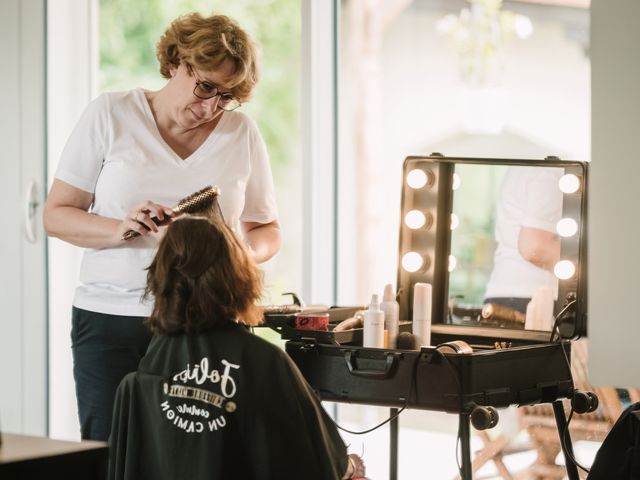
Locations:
(206, 90)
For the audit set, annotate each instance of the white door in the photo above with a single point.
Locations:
(23, 321)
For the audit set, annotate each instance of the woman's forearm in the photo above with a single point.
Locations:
(66, 216)
(263, 239)
(540, 247)
(82, 228)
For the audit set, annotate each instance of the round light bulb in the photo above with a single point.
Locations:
(455, 221)
(415, 219)
(416, 178)
(453, 263)
(569, 183)
(412, 261)
(456, 181)
(567, 227)
(564, 269)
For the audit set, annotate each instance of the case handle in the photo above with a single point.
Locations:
(350, 358)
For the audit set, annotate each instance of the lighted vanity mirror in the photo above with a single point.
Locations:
(501, 241)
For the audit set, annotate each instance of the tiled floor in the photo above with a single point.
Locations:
(429, 454)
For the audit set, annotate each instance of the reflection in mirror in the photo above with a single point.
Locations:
(505, 246)
(502, 242)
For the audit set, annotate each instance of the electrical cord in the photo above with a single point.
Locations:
(456, 375)
(395, 415)
(556, 322)
(565, 430)
(563, 439)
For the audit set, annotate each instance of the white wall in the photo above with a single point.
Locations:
(614, 198)
(318, 151)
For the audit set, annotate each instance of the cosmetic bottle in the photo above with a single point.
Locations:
(391, 311)
(422, 313)
(540, 310)
(373, 332)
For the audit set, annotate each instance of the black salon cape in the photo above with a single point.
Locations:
(279, 430)
(619, 455)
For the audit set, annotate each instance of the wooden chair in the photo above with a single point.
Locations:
(540, 424)
(494, 451)
(539, 420)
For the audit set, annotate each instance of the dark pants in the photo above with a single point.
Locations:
(105, 348)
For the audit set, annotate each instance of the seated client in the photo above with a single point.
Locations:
(210, 400)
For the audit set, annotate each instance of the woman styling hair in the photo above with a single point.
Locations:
(132, 155)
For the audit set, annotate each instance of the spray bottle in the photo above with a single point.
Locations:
(391, 311)
(373, 332)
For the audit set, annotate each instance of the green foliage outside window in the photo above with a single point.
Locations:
(473, 241)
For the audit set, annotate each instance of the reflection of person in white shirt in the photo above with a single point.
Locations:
(527, 211)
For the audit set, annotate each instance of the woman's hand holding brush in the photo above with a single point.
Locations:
(143, 219)
(147, 216)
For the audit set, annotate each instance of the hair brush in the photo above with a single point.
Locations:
(197, 202)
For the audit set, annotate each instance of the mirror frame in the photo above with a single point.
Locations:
(434, 243)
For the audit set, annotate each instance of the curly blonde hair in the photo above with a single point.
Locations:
(206, 43)
(201, 278)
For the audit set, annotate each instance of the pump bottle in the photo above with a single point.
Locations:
(391, 311)
(373, 332)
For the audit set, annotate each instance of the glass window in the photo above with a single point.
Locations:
(476, 79)
(424, 78)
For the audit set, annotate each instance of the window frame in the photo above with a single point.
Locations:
(319, 145)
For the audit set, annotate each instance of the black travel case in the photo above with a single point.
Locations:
(508, 366)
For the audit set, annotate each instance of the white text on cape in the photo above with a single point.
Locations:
(200, 373)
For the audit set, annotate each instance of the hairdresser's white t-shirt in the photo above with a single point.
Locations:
(529, 197)
(117, 153)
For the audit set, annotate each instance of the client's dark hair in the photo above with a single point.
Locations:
(202, 277)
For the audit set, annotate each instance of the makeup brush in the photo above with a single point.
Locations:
(197, 202)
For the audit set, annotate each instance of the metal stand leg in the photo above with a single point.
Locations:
(565, 443)
(465, 449)
(393, 446)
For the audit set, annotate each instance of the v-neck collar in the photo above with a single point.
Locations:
(197, 153)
